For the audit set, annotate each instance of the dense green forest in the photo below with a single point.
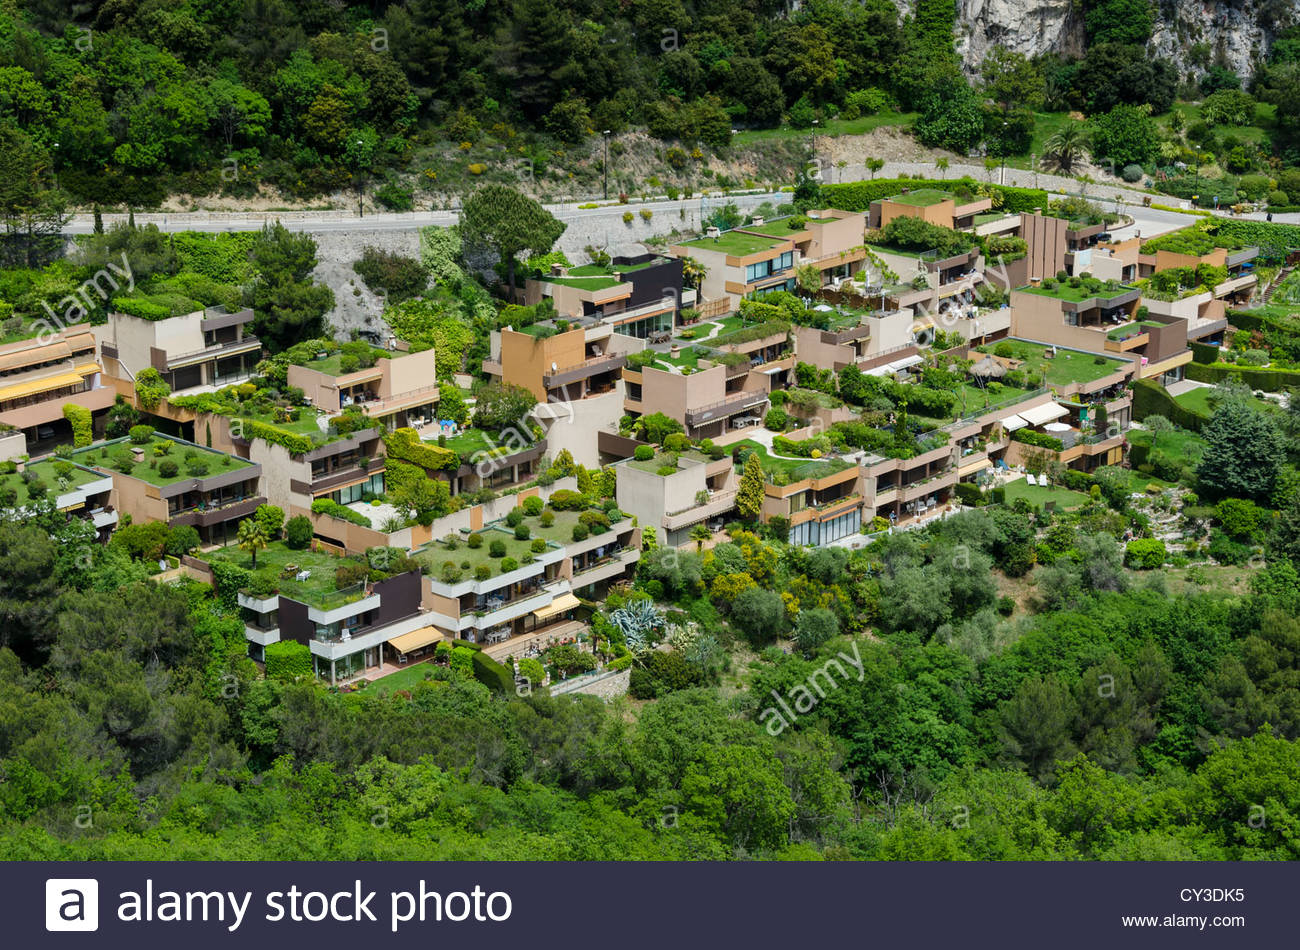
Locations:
(126, 103)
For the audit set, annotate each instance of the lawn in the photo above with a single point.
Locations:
(1063, 291)
(1179, 443)
(46, 472)
(729, 325)
(471, 442)
(1037, 496)
(1067, 367)
(735, 243)
(585, 283)
(330, 364)
(1257, 132)
(793, 470)
(781, 227)
(104, 456)
(318, 590)
(922, 197)
(433, 555)
(406, 678)
(27, 328)
(1198, 400)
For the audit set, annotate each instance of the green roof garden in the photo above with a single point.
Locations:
(736, 243)
(779, 470)
(1065, 368)
(1194, 240)
(585, 283)
(192, 461)
(283, 564)
(331, 365)
(59, 475)
(1065, 290)
(436, 553)
(922, 197)
(780, 227)
(471, 442)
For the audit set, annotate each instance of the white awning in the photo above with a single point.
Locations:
(973, 467)
(906, 361)
(1012, 423)
(1047, 412)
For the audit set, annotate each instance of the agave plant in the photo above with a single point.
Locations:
(637, 619)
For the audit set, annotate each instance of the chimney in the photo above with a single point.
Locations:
(558, 270)
(758, 220)
(712, 232)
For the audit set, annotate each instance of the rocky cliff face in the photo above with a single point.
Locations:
(1191, 33)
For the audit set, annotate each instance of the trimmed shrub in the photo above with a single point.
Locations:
(509, 564)
(475, 541)
(288, 660)
(168, 469)
(82, 421)
(497, 548)
(482, 572)
(141, 434)
(522, 532)
(581, 532)
(547, 519)
(538, 545)
(533, 506)
(515, 517)
(644, 453)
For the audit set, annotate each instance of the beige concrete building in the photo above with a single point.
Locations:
(709, 402)
(637, 296)
(207, 349)
(931, 205)
(39, 376)
(397, 391)
(560, 364)
(698, 490)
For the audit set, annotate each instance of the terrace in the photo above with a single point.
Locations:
(146, 461)
(435, 554)
(59, 478)
(736, 243)
(332, 365)
(784, 470)
(1102, 295)
(1066, 368)
(305, 576)
(922, 197)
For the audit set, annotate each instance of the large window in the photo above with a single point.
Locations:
(812, 533)
(373, 485)
(763, 269)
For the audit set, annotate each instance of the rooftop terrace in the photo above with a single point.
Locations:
(735, 243)
(192, 461)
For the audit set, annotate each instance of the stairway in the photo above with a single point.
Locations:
(1276, 282)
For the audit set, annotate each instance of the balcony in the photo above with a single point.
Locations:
(719, 503)
(342, 604)
(1237, 258)
(927, 486)
(611, 566)
(584, 370)
(513, 609)
(205, 516)
(329, 481)
(103, 517)
(736, 403)
(412, 397)
(214, 352)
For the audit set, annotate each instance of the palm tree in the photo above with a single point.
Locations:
(252, 537)
(942, 165)
(1066, 148)
(699, 534)
(693, 272)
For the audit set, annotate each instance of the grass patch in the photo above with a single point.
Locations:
(433, 555)
(785, 470)
(830, 127)
(105, 456)
(407, 679)
(922, 197)
(735, 243)
(1063, 291)
(319, 589)
(330, 365)
(1067, 367)
(1201, 401)
(46, 472)
(1038, 496)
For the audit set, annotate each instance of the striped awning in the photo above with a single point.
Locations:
(557, 606)
(415, 639)
(34, 386)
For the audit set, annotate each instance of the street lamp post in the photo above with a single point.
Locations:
(361, 207)
(55, 166)
(605, 166)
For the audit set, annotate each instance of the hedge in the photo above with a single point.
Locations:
(1269, 380)
(968, 493)
(858, 195)
(332, 509)
(405, 444)
(83, 429)
(1203, 352)
(488, 671)
(1151, 399)
(1272, 239)
(288, 660)
(296, 443)
(1040, 439)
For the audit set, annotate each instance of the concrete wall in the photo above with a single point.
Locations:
(134, 337)
(525, 358)
(12, 445)
(650, 496)
(408, 372)
(834, 235)
(1039, 317)
(1045, 237)
(939, 213)
(573, 425)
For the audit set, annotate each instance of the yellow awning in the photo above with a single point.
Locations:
(88, 369)
(415, 639)
(558, 605)
(40, 385)
(973, 467)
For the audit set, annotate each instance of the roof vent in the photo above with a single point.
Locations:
(758, 220)
(712, 232)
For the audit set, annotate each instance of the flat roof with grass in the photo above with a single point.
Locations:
(585, 283)
(1066, 367)
(609, 270)
(1063, 290)
(781, 470)
(469, 442)
(58, 478)
(434, 554)
(922, 197)
(1038, 496)
(284, 564)
(780, 227)
(189, 459)
(735, 243)
(331, 365)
